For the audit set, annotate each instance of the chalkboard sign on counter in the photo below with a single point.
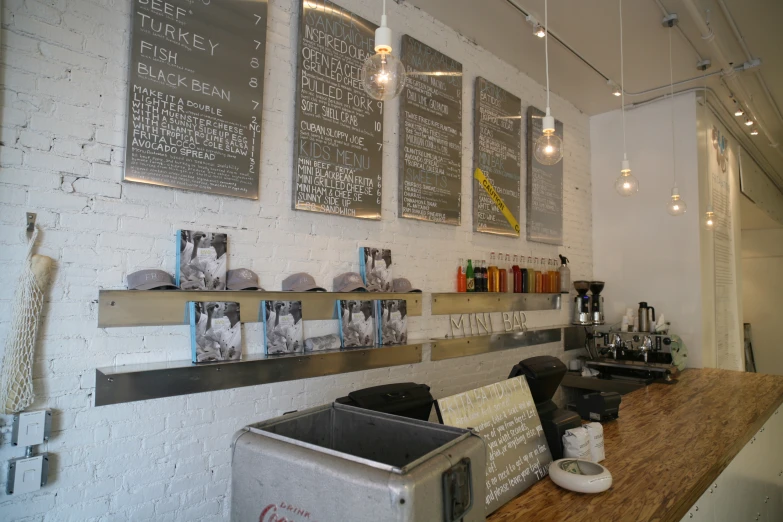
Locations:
(497, 152)
(430, 135)
(506, 418)
(338, 145)
(195, 95)
(544, 188)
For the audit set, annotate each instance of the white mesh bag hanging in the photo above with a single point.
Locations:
(16, 381)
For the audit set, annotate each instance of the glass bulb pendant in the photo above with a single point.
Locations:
(548, 148)
(383, 74)
(626, 185)
(676, 206)
(709, 221)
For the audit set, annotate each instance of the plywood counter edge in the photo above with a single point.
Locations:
(672, 504)
(676, 512)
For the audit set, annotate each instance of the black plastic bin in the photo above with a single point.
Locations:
(406, 399)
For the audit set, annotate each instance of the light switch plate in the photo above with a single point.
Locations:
(31, 428)
(27, 474)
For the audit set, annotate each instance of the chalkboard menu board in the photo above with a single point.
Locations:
(339, 129)
(506, 418)
(497, 152)
(544, 188)
(430, 135)
(195, 95)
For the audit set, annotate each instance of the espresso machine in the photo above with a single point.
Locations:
(596, 302)
(582, 304)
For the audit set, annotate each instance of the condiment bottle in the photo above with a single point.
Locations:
(462, 281)
(470, 281)
(526, 276)
(509, 286)
(535, 280)
(493, 275)
(516, 275)
(538, 268)
(502, 274)
(565, 275)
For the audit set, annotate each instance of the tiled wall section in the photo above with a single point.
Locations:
(64, 80)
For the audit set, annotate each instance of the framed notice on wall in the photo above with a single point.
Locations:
(506, 418)
(544, 188)
(430, 135)
(338, 143)
(497, 151)
(195, 95)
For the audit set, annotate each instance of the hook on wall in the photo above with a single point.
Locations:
(30, 224)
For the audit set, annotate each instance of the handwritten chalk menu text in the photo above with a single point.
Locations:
(506, 418)
(430, 135)
(497, 152)
(195, 95)
(338, 128)
(544, 188)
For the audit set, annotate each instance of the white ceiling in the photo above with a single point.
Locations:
(753, 218)
(591, 28)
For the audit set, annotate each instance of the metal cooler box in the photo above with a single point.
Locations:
(341, 463)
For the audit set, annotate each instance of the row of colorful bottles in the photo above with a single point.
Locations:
(507, 275)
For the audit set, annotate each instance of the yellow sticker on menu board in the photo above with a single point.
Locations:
(494, 196)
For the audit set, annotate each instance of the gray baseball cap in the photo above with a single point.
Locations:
(349, 282)
(242, 279)
(301, 282)
(150, 279)
(402, 285)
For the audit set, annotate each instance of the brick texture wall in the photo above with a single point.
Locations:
(62, 118)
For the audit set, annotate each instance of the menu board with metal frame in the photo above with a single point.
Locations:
(195, 95)
(430, 184)
(544, 188)
(497, 152)
(338, 143)
(505, 416)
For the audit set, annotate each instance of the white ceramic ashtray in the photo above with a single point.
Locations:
(581, 476)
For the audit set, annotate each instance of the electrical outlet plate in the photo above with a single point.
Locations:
(31, 428)
(27, 474)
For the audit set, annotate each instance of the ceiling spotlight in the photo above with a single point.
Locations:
(539, 31)
(748, 122)
(754, 132)
(739, 112)
(615, 88)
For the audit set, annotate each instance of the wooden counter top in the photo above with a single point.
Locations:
(669, 444)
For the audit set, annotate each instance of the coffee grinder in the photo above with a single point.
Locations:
(543, 375)
(582, 304)
(596, 302)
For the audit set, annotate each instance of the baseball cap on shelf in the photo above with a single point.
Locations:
(402, 285)
(301, 282)
(242, 279)
(349, 282)
(150, 279)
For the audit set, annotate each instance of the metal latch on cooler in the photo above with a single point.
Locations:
(457, 491)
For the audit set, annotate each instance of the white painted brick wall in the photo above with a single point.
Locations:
(62, 116)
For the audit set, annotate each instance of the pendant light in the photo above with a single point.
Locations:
(548, 148)
(676, 206)
(625, 185)
(708, 223)
(383, 74)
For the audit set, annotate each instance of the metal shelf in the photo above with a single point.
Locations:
(486, 302)
(138, 382)
(442, 349)
(167, 307)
